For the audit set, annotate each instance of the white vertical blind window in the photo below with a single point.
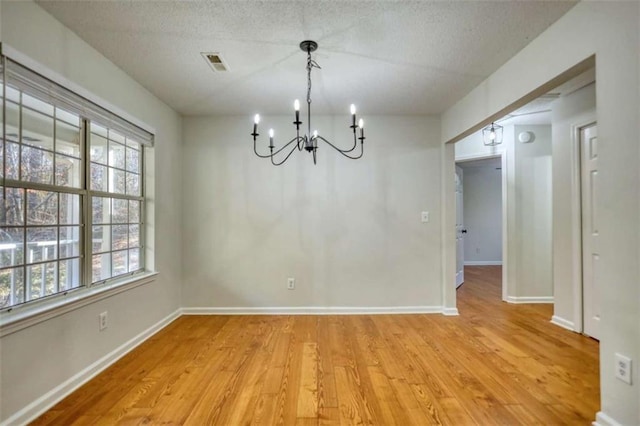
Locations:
(71, 188)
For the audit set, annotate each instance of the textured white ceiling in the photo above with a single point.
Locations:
(387, 57)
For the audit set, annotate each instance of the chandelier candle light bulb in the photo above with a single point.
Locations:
(256, 120)
(308, 141)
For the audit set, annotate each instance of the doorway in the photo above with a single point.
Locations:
(479, 214)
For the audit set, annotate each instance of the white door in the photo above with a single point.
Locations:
(459, 229)
(590, 257)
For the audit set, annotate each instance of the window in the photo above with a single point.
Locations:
(72, 193)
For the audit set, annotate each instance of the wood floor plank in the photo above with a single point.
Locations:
(496, 363)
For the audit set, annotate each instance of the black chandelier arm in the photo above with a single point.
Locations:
(256, 151)
(344, 152)
(288, 155)
(297, 138)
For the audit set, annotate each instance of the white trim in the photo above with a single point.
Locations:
(561, 322)
(314, 310)
(505, 220)
(36, 66)
(23, 316)
(55, 395)
(603, 419)
(480, 156)
(482, 262)
(450, 312)
(530, 299)
(579, 122)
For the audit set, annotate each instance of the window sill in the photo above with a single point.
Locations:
(25, 316)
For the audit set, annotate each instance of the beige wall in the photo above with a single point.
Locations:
(528, 270)
(41, 357)
(610, 30)
(532, 200)
(348, 231)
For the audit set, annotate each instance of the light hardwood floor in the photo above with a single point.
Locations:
(494, 364)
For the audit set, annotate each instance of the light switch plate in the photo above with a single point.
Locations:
(424, 217)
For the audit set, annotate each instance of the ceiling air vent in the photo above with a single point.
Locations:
(215, 61)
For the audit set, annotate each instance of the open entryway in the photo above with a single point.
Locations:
(479, 205)
(526, 204)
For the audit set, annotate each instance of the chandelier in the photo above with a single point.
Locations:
(492, 135)
(308, 141)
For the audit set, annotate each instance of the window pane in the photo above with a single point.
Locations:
(69, 274)
(69, 241)
(37, 129)
(120, 237)
(101, 267)
(120, 262)
(13, 94)
(98, 130)
(68, 117)
(11, 286)
(134, 259)
(12, 121)
(134, 211)
(67, 171)
(36, 104)
(134, 236)
(98, 177)
(42, 207)
(133, 184)
(116, 137)
(98, 151)
(116, 155)
(69, 209)
(101, 238)
(101, 210)
(42, 244)
(13, 160)
(36, 165)
(42, 280)
(116, 181)
(133, 160)
(11, 246)
(12, 211)
(67, 139)
(120, 211)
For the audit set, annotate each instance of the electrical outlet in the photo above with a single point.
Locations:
(291, 283)
(424, 217)
(623, 368)
(102, 318)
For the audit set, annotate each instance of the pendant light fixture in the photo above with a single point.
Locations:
(309, 140)
(492, 135)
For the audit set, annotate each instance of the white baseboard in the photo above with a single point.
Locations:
(55, 395)
(482, 262)
(314, 310)
(452, 312)
(603, 419)
(526, 299)
(561, 322)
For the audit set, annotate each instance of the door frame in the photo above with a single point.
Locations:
(584, 120)
(505, 201)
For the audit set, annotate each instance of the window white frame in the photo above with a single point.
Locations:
(24, 315)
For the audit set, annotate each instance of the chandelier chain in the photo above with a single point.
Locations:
(310, 64)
